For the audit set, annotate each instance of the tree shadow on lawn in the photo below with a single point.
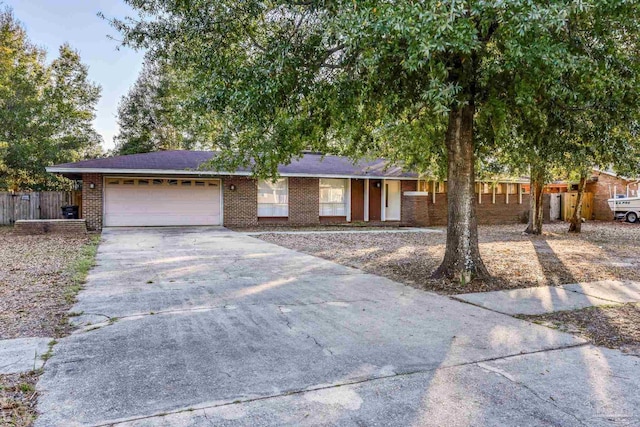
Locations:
(515, 260)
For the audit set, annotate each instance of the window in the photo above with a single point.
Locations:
(157, 181)
(113, 181)
(185, 183)
(333, 197)
(424, 186)
(273, 198)
(128, 182)
(143, 182)
(172, 182)
(441, 187)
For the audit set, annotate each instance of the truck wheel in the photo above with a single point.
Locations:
(632, 217)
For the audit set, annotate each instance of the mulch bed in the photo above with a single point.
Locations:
(609, 326)
(604, 250)
(34, 273)
(18, 399)
(39, 277)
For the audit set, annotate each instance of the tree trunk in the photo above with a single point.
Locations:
(536, 211)
(462, 260)
(575, 225)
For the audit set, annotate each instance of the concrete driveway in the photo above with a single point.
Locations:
(204, 326)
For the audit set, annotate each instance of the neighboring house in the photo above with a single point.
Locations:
(605, 185)
(601, 186)
(170, 188)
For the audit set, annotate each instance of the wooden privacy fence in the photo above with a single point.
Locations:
(36, 205)
(569, 205)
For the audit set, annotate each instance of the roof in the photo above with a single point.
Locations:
(194, 162)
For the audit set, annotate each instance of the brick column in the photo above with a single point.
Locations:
(304, 201)
(92, 200)
(241, 204)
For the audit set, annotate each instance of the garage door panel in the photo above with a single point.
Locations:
(157, 205)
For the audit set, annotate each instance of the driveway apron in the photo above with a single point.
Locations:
(205, 326)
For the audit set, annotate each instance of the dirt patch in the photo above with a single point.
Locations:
(604, 250)
(18, 398)
(609, 326)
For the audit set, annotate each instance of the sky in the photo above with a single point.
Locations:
(50, 23)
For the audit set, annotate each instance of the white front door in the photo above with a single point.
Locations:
(161, 201)
(392, 200)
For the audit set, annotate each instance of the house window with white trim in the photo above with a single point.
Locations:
(273, 198)
(333, 197)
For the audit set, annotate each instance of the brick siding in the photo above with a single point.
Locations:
(92, 200)
(241, 204)
(50, 226)
(602, 191)
(304, 201)
(421, 211)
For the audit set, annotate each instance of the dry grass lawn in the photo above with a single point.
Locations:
(616, 326)
(39, 278)
(604, 250)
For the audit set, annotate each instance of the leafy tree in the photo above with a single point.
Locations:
(46, 110)
(412, 80)
(582, 117)
(151, 116)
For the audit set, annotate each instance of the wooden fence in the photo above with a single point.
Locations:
(36, 205)
(569, 205)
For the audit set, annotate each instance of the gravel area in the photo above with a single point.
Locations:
(36, 283)
(604, 250)
(609, 326)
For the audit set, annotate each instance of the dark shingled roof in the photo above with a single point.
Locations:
(309, 164)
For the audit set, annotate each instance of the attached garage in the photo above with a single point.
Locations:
(161, 201)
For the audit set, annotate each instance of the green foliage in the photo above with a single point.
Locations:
(378, 78)
(46, 110)
(152, 116)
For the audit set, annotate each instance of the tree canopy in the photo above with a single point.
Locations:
(152, 117)
(426, 83)
(46, 110)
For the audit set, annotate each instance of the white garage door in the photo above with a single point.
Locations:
(161, 201)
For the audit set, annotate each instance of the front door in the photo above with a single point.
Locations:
(392, 200)
(357, 200)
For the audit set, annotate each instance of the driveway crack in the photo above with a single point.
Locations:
(529, 389)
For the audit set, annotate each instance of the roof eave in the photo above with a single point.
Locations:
(111, 171)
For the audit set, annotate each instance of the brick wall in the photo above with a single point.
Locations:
(414, 209)
(420, 210)
(602, 191)
(241, 204)
(304, 201)
(50, 226)
(502, 212)
(92, 200)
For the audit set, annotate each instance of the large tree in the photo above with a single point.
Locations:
(357, 77)
(151, 115)
(46, 110)
(580, 118)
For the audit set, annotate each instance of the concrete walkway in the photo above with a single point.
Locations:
(549, 299)
(22, 354)
(202, 326)
(348, 231)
